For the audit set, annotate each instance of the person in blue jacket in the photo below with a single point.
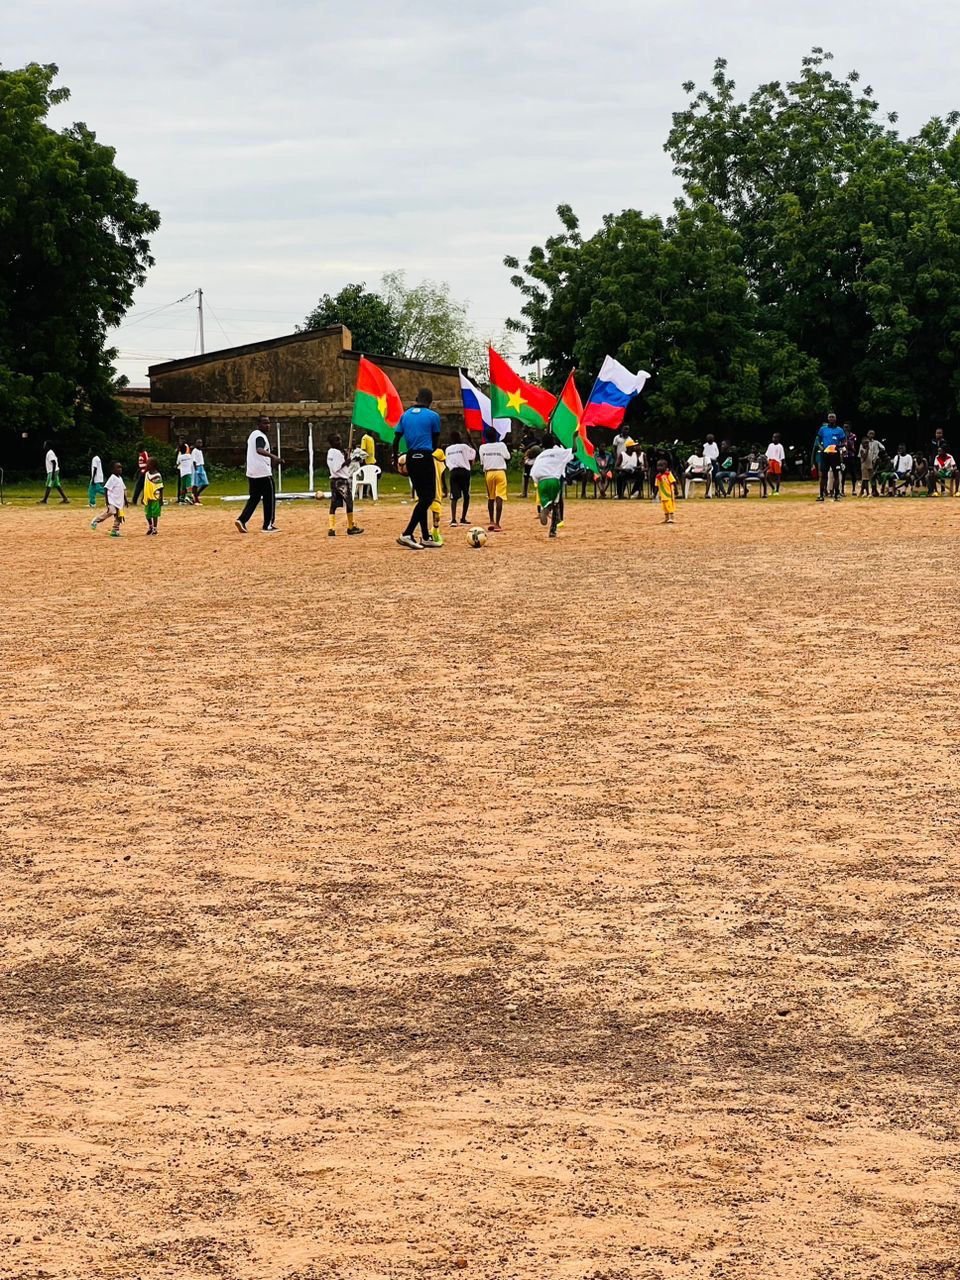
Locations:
(829, 450)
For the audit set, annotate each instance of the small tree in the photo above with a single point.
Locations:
(371, 319)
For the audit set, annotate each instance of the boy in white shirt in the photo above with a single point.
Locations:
(200, 481)
(547, 472)
(494, 457)
(459, 458)
(52, 463)
(775, 460)
(184, 473)
(116, 502)
(95, 488)
(341, 488)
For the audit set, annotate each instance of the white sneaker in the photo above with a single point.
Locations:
(405, 540)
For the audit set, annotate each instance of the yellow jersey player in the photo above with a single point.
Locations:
(666, 490)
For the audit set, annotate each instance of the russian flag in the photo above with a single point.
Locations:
(613, 390)
(477, 411)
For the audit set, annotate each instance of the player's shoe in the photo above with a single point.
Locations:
(352, 533)
(543, 515)
(431, 545)
(114, 533)
(331, 533)
(240, 525)
(437, 538)
(93, 524)
(406, 540)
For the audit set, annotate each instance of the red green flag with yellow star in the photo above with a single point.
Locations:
(376, 405)
(566, 423)
(511, 397)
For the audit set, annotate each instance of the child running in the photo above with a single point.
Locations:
(666, 490)
(152, 496)
(547, 472)
(341, 488)
(116, 502)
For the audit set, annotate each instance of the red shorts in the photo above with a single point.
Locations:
(774, 466)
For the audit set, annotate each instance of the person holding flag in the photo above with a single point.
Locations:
(547, 473)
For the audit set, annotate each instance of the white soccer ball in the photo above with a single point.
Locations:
(477, 537)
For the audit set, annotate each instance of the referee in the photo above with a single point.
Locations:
(420, 428)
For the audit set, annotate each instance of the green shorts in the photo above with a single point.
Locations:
(152, 509)
(548, 490)
(53, 479)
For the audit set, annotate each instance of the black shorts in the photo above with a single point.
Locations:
(459, 482)
(341, 494)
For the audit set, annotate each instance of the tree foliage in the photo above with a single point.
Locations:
(419, 322)
(672, 297)
(814, 259)
(372, 321)
(74, 244)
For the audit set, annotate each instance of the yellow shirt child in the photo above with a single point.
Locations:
(666, 492)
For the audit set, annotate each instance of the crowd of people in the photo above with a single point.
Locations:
(623, 470)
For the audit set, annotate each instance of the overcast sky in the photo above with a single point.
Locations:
(297, 145)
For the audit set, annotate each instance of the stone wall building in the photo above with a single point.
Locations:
(295, 380)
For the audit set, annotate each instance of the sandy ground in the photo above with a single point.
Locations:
(578, 909)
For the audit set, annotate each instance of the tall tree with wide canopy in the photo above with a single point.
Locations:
(674, 298)
(74, 245)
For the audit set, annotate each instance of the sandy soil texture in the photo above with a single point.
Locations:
(584, 909)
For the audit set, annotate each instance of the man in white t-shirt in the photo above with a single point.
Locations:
(259, 477)
(776, 457)
(494, 457)
(95, 487)
(459, 458)
(52, 463)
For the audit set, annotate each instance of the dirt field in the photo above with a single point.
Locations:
(584, 909)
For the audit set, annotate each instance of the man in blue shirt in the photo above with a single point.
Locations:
(829, 450)
(420, 428)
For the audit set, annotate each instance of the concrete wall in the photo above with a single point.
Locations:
(298, 367)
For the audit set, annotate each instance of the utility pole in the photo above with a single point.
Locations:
(200, 315)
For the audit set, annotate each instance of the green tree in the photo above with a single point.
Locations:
(372, 321)
(73, 247)
(849, 231)
(434, 326)
(672, 297)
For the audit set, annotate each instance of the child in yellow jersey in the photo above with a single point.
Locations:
(440, 466)
(152, 496)
(666, 490)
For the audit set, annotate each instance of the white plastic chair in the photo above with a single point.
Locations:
(366, 478)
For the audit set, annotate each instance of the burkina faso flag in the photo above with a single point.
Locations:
(511, 397)
(376, 405)
(567, 425)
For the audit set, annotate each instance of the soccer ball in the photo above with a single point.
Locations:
(402, 464)
(476, 537)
